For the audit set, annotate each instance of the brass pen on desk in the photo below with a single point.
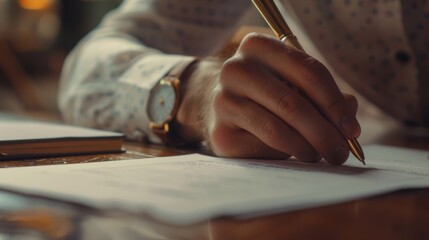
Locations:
(275, 20)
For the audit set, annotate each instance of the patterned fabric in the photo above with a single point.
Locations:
(378, 46)
(373, 46)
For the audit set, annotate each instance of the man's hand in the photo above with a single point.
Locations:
(249, 106)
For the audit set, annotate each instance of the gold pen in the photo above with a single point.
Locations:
(275, 20)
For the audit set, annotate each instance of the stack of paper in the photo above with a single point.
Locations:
(21, 138)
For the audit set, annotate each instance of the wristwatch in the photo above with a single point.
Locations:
(164, 102)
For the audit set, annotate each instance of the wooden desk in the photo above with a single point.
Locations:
(398, 215)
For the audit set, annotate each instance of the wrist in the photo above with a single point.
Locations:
(196, 89)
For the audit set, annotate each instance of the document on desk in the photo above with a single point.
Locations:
(192, 188)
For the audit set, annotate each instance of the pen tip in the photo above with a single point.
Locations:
(356, 149)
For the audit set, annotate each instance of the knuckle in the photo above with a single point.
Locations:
(253, 39)
(253, 42)
(334, 102)
(353, 102)
(268, 131)
(288, 105)
(316, 72)
(232, 68)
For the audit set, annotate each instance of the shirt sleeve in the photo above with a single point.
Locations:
(107, 79)
(367, 46)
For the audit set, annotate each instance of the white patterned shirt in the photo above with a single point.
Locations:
(379, 47)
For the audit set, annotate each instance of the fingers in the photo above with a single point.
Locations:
(306, 73)
(291, 114)
(263, 126)
(257, 111)
(352, 126)
(228, 141)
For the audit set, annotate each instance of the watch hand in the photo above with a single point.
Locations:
(161, 101)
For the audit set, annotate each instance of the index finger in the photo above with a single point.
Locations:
(308, 75)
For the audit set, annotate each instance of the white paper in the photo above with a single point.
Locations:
(398, 159)
(191, 188)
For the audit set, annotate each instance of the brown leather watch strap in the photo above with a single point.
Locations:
(178, 70)
(176, 73)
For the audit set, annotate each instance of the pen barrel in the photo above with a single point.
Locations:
(272, 15)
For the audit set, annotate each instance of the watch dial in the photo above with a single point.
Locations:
(161, 103)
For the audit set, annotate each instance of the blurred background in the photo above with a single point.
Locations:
(35, 37)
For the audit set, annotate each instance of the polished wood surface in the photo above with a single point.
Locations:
(398, 215)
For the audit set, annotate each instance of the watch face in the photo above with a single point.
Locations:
(161, 102)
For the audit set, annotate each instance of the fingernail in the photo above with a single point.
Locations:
(349, 126)
(341, 155)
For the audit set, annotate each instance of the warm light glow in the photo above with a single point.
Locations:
(35, 4)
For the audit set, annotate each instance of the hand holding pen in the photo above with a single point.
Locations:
(248, 106)
(268, 9)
